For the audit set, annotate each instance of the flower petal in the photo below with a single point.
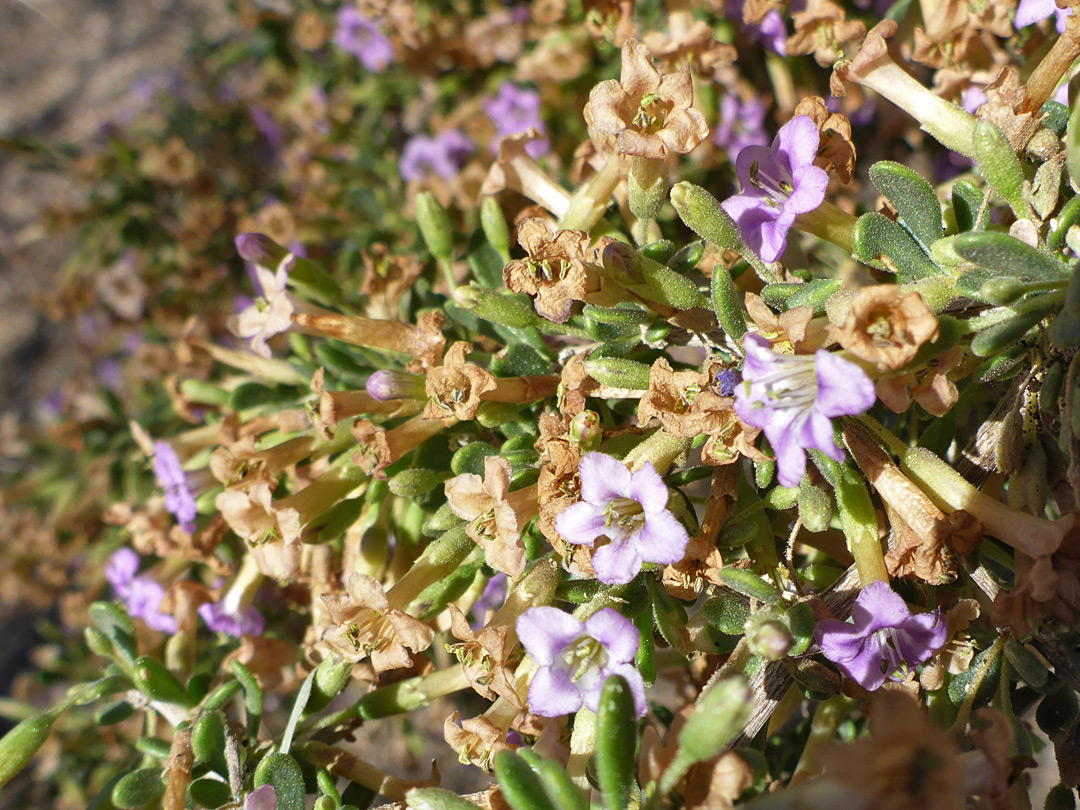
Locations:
(663, 539)
(648, 488)
(790, 454)
(617, 563)
(634, 681)
(743, 163)
(545, 631)
(617, 633)
(750, 213)
(839, 641)
(809, 190)
(817, 433)
(921, 636)
(843, 387)
(603, 478)
(552, 693)
(581, 523)
(879, 606)
(798, 140)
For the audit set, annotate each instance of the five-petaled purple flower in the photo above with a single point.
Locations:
(741, 124)
(1030, 12)
(222, 618)
(576, 658)
(777, 184)
(793, 399)
(170, 474)
(630, 510)
(515, 110)
(141, 595)
(886, 640)
(358, 35)
(441, 155)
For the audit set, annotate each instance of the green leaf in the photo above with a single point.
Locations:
(521, 786)
(138, 788)
(152, 678)
(415, 482)
(1072, 144)
(966, 201)
(1002, 255)
(281, 772)
(721, 712)
(113, 712)
(297, 712)
(616, 743)
(618, 372)
(208, 741)
(749, 584)
(726, 613)
(253, 697)
(19, 745)
(880, 242)
(912, 197)
(670, 617)
(1027, 664)
(209, 792)
(563, 793)
(995, 339)
(436, 799)
(960, 684)
(814, 294)
(645, 660)
(702, 213)
(331, 676)
(727, 303)
(116, 625)
(664, 286)
(1000, 166)
(220, 697)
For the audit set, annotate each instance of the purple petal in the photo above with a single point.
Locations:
(761, 155)
(790, 454)
(634, 681)
(265, 798)
(663, 539)
(817, 433)
(552, 693)
(617, 633)
(121, 569)
(798, 139)
(839, 641)
(773, 235)
(921, 636)
(648, 488)
(1030, 12)
(879, 606)
(581, 523)
(866, 668)
(546, 631)
(809, 190)
(843, 387)
(617, 563)
(603, 478)
(750, 213)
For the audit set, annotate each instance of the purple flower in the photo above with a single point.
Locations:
(1030, 12)
(515, 110)
(170, 474)
(142, 595)
(268, 127)
(358, 35)
(491, 599)
(576, 658)
(264, 798)
(774, 32)
(778, 183)
(630, 510)
(442, 155)
(741, 124)
(725, 381)
(972, 98)
(793, 399)
(885, 639)
(220, 618)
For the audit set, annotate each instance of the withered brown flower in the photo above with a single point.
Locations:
(483, 656)
(650, 113)
(365, 625)
(477, 740)
(492, 521)
(454, 388)
(836, 149)
(682, 402)
(554, 274)
(932, 387)
(822, 29)
(887, 326)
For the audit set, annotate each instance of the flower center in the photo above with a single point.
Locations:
(485, 524)
(584, 655)
(892, 661)
(543, 270)
(652, 113)
(791, 384)
(626, 513)
(774, 180)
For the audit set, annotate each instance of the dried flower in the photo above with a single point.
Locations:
(170, 475)
(358, 35)
(476, 739)
(836, 150)
(442, 155)
(777, 184)
(492, 521)
(554, 274)
(515, 110)
(576, 658)
(822, 30)
(454, 388)
(884, 640)
(483, 656)
(794, 398)
(629, 511)
(650, 113)
(887, 326)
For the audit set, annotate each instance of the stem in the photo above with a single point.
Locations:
(1044, 80)
(830, 223)
(590, 201)
(828, 716)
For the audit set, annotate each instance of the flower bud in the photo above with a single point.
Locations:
(435, 227)
(767, 635)
(585, 429)
(385, 385)
(495, 228)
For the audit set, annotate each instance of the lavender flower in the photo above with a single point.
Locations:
(630, 510)
(576, 658)
(142, 595)
(264, 798)
(725, 381)
(358, 35)
(1030, 12)
(170, 474)
(741, 124)
(778, 183)
(513, 111)
(885, 639)
(442, 155)
(271, 314)
(774, 32)
(220, 618)
(972, 98)
(491, 599)
(793, 399)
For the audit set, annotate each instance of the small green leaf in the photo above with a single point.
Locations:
(703, 214)
(616, 743)
(1002, 255)
(749, 584)
(495, 227)
(912, 197)
(1000, 166)
(138, 788)
(152, 678)
(113, 712)
(208, 741)
(880, 242)
(331, 676)
(618, 372)
(521, 786)
(1026, 663)
(563, 793)
(209, 792)
(726, 613)
(281, 772)
(967, 200)
(415, 482)
(20, 744)
(670, 617)
(727, 303)
(994, 339)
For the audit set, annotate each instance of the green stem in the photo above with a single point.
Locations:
(828, 716)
